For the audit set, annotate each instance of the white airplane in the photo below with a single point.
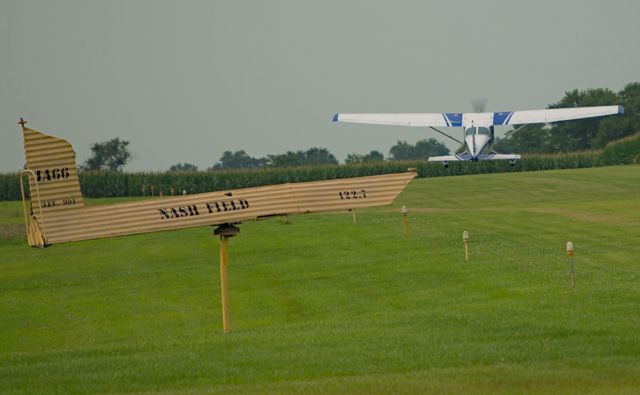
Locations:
(478, 127)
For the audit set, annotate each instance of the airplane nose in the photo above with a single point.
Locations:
(481, 141)
(475, 143)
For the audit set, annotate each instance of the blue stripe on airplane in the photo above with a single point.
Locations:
(500, 118)
(509, 118)
(453, 118)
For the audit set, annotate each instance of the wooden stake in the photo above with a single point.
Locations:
(405, 226)
(405, 222)
(573, 277)
(465, 238)
(570, 254)
(226, 326)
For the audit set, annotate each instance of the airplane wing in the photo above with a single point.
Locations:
(499, 118)
(553, 115)
(413, 120)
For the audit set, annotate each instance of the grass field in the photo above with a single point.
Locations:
(322, 305)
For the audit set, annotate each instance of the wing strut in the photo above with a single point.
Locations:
(520, 127)
(444, 134)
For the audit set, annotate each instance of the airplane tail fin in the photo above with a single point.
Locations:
(53, 181)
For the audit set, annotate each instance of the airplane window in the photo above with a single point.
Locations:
(484, 131)
(469, 131)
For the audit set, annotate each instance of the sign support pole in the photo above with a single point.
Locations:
(226, 327)
(225, 232)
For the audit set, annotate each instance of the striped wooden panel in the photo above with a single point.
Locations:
(54, 163)
(222, 207)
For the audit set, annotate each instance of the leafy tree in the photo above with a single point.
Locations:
(432, 147)
(237, 160)
(422, 150)
(354, 158)
(290, 158)
(311, 157)
(402, 151)
(580, 134)
(613, 128)
(373, 156)
(183, 167)
(320, 156)
(108, 155)
(531, 138)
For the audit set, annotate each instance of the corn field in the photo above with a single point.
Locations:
(116, 184)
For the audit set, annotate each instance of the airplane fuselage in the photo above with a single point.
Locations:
(476, 139)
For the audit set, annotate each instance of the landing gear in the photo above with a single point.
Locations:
(513, 162)
(446, 164)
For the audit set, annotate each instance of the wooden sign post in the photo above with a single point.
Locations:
(225, 232)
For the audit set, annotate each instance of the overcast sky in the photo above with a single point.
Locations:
(184, 81)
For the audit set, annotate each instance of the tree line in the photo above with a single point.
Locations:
(583, 134)
(321, 156)
(578, 135)
(114, 154)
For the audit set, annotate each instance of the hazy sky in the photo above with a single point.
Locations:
(184, 81)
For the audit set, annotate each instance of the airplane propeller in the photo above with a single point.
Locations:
(479, 104)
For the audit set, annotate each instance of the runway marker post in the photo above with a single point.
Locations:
(405, 221)
(465, 239)
(570, 254)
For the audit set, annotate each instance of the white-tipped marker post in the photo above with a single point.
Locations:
(570, 254)
(405, 223)
(465, 239)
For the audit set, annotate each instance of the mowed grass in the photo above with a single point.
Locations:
(322, 305)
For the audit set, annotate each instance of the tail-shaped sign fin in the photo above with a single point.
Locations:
(53, 163)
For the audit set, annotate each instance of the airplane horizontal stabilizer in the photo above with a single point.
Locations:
(446, 158)
(465, 156)
(499, 157)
